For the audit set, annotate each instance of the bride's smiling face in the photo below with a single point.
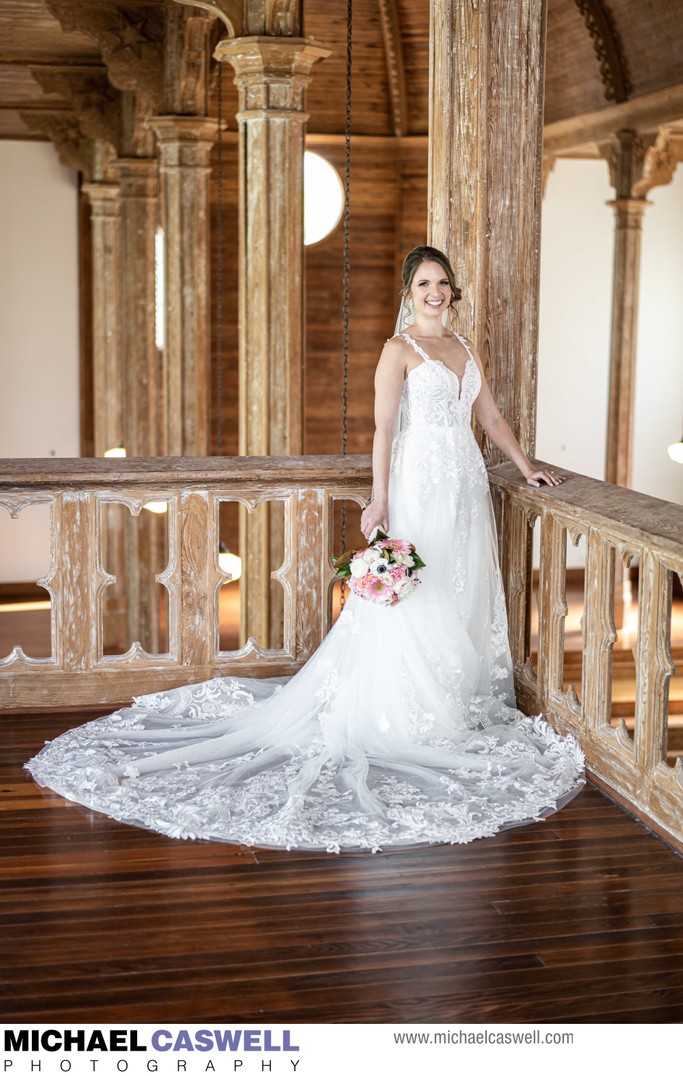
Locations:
(430, 291)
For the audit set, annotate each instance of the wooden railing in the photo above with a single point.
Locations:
(78, 491)
(617, 525)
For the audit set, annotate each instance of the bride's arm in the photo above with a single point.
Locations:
(388, 385)
(497, 429)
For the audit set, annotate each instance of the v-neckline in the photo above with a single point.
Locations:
(428, 358)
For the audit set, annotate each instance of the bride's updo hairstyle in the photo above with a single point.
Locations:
(414, 260)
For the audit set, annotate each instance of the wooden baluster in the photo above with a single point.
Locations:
(600, 633)
(198, 550)
(515, 563)
(74, 624)
(313, 530)
(654, 663)
(552, 608)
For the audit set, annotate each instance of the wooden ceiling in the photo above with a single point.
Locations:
(600, 53)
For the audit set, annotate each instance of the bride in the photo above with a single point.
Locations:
(402, 728)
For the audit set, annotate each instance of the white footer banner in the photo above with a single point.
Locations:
(329, 1049)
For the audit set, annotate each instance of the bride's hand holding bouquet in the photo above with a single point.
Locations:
(385, 572)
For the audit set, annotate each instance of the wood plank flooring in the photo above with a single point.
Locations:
(576, 919)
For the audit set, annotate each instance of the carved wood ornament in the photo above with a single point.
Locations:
(608, 51)
(95, 102)
(62, 128)
(129, 38)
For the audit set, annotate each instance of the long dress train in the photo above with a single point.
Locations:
(400, 730)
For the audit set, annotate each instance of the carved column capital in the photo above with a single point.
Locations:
(625, 154)
(185, 141)
(104, 199)
(271, 74)
(138, 176)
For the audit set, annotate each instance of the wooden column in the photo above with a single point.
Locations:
(144, 432)
(105, 215)
(108, 380)
(144, 419)
(627, 168)
(185, 144)
(485, 170)
(271, 75)
(622, 375)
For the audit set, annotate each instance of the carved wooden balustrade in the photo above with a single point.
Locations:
(78, 492)
(616, 524)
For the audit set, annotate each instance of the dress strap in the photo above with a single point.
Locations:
(464, 343)
(416, 347)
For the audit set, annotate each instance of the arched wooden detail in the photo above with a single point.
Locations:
(229, 12)
(246, 18)
(393, 50)
(607, 49)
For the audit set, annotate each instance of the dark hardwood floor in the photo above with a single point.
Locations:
(579, 918)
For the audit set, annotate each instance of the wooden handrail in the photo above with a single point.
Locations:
(77, 490)
(618, 526)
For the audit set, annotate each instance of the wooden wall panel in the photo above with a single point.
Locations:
(372, 256)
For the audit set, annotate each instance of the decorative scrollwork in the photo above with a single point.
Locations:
(607, 46)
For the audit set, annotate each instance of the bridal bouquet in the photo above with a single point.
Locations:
(384, 572)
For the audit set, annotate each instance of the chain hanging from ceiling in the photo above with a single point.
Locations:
(219, 261)
(346, 272)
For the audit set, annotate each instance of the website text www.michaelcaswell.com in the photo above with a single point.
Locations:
(460, 1037)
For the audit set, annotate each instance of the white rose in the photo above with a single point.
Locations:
(359, 568)
(404, 559)
(370, 556)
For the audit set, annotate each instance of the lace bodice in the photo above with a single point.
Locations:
(434, 395)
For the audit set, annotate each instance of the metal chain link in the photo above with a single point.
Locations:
(219, 262)
(346, 268)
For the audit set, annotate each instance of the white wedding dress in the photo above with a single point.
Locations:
(400, 730)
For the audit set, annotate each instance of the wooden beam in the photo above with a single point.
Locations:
(390, 20)
(565, 138)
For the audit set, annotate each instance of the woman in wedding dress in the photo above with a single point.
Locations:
(402, 728)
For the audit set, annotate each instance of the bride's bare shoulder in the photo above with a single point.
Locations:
(396, 345)
(394, 357)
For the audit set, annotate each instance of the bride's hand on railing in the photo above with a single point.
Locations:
(536, 478)
(375, 515)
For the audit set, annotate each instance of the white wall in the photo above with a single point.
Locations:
(576, 288)
(39, 347)
(658, 418)
(574, 323)
(574, 336)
